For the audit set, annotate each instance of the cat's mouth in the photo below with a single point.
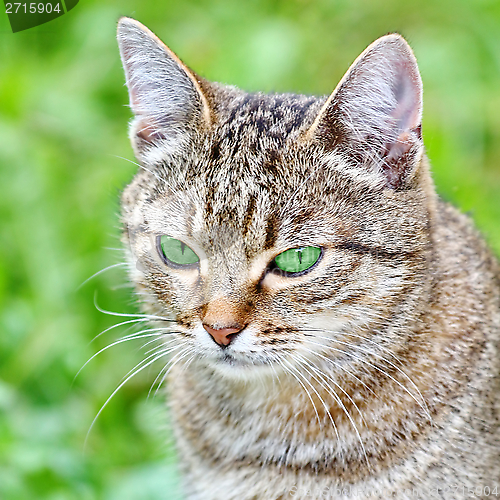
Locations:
(239, 366)
(237, 360)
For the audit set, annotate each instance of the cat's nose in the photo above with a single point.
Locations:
(223, 319)
(223, 336)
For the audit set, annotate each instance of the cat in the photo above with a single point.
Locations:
(333, 327)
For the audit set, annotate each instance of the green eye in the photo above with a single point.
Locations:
(176, 252)
(297, 260)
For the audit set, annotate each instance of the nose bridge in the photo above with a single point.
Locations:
(227, 276)
(224, 313)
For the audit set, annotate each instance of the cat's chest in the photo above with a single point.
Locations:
(282, 425)
(248, 416)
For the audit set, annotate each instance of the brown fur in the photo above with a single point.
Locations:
(375, 373)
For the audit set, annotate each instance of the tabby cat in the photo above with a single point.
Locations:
(333, 326)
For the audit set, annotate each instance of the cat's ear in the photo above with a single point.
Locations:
(165, 96)
(375, 112)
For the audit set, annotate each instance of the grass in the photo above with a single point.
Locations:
(62, 139)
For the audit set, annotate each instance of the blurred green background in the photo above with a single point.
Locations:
(63, 129)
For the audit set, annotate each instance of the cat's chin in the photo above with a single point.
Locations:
(241, 367)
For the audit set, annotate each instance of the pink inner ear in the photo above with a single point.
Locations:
(148, 132)
(407, 114)
(397, 155)
(397, 149)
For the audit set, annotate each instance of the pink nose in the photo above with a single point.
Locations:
(222, 336)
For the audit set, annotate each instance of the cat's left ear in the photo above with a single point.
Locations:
(374, 115)
(165, 95)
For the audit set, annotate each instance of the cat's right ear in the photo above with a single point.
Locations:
(165, 96)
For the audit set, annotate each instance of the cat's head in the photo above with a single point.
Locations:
(270, 226)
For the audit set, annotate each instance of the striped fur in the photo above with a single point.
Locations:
(374, 374)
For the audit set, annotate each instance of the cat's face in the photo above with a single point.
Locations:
(267, 226)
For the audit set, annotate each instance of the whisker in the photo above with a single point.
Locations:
(167, 368)
(390, 363)
(273, 368)
(281, 362)
(338, 400)
(133, 374)
(161, 348)
(160, 332)
(319, 397)
(138, 320)
(134, 336)
(162, 339)
(341, 368)
(329, 377)
(422, 403)
(120, 264)
(127, 315)
(365, 339)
